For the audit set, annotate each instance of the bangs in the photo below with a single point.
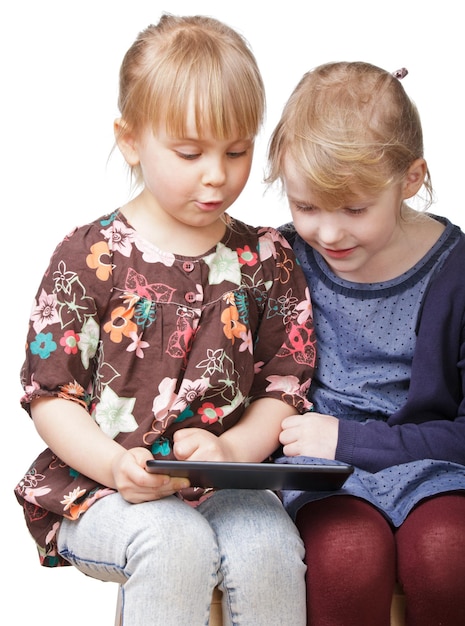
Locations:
(224, 89)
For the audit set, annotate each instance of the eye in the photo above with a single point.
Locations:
(354, 211)
(304, 208)
(186, 156)
(236, 155)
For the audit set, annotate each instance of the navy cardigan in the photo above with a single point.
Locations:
(431, 424)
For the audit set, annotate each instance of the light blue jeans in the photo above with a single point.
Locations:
(168, 557)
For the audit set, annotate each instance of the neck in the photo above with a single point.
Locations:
(171, 235)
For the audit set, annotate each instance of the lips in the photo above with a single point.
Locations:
(209, 206)
(338, 254)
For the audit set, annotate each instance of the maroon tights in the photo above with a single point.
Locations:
(354, 557)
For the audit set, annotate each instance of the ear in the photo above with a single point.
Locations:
(414, 178)
(126, 142)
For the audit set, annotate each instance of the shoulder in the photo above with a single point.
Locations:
(289, 232)
(445, 294)
(86, 248)
(260, 234)
(94, 230)
(452, 268)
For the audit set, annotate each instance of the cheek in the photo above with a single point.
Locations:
(303, 224)
(243, 173)
(160, 175)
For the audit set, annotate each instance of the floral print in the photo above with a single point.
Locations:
(150, 342)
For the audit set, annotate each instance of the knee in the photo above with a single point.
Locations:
(174, 544)
(345, 534)
(431, 545)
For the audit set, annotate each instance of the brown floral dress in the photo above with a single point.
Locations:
(149, 342)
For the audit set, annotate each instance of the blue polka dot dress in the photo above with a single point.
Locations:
(366, 340)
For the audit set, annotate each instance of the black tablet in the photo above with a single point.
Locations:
(265, 475)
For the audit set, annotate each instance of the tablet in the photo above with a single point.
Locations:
(277, 477)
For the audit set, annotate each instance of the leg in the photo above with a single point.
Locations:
(431, 561)
(164, 553)
(350, 555)
(261, 559)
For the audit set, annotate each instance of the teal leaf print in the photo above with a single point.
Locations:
(107, 222)
(161, 446)
(184, 415)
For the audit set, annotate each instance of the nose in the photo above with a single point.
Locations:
(329, 229)
(214, 173)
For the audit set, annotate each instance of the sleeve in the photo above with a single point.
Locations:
(285, 348)
(63, 333)
(431, 424)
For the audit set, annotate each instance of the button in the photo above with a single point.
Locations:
(190, 297)
(188, 266)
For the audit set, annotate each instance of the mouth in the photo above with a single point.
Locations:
(337, 254)
(209, 207)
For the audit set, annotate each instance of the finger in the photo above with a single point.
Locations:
(185, 448)
(290, 421)
(287, 436)
(181, 434)
(291, 450)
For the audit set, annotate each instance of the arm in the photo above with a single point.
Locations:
(72, 434)
(284, 356)
(431, 424)
(251, 440)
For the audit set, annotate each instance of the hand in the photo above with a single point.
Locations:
(310, 434)
(198, 444)
(137, 485)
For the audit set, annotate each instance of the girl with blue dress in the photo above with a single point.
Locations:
(388, 292)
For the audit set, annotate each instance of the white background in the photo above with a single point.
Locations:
(60, 62)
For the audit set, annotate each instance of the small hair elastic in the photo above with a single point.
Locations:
(400, 74)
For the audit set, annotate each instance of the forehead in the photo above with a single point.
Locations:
(300, 188)
(294, 180)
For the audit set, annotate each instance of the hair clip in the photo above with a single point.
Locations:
(399, 74)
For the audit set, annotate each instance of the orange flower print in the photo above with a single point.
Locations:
(71, 498)
(232, 327)
(70, 342)
(286, 265)
(120, 324)
(246, 256)
(73, 391)
(99, 259)
(209, 413)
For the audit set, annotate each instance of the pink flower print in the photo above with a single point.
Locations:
(247, 342)
(45, 311)
(266, 243)
(246, 256)
(288, 384)
(137, 345)
(164, 398)
(119, 237)
(30, 389)
(305, 307)
(70, 342)
(209, 413)
(189, 391)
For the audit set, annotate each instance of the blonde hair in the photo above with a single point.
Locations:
(347, 128)
(189, 59)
